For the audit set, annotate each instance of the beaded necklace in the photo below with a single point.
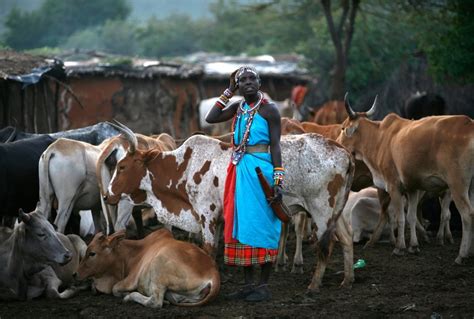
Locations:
(239, 150)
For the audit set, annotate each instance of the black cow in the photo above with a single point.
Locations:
(19, 185)
(10, 134)
(423, 104)
(94, 134)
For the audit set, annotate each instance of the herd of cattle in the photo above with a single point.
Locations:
(347, 179)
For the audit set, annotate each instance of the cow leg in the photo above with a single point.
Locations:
(124, 212)
(419, 218)
(300, 229)
(65, 206)
(397, 205)
(97, 218)
(462, 201)
(137, 217)
(282, 258)
(156, 300)
(444, 231)
(384, 199)
(413, 199)
(344, 235)
(320, 269)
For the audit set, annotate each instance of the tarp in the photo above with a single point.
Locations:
(55, 70)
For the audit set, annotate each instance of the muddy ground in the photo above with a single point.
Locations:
(428, 285)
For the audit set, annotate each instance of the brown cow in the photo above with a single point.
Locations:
(405, 157)
(115, 149)
(150, 270)
(186, 188)
(331, 112)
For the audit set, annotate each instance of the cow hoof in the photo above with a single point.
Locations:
(297, 269)
(459, 260)
(414, 250)
(398, 252)
(346, 284)
(127, 298)
(280, 267)
(450, 240)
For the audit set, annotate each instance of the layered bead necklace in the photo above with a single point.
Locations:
(239, 150)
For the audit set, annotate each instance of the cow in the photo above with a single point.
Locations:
(331, 112)
(108, 157)
(423, 104)
(362, 178)
(80, 190)
(94, 134)
(19, 186)
(150, 270)
(36, 260)
(186, 187)
(407, 157)
(363, 209)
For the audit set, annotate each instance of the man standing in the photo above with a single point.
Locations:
(252, 230)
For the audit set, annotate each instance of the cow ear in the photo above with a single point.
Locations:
(150, 155)
(349, 131)
(116, 238)
(23, 217)
(111, 160)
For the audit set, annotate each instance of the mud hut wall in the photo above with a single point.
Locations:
(147, 106)
(31, 108)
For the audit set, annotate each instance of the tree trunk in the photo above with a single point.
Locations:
(341, 36)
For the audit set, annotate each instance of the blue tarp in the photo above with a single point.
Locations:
(56, 70)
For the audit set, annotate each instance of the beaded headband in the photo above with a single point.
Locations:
(244, 69)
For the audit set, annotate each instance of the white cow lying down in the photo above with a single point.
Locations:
(363, 208)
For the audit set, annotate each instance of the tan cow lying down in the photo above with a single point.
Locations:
(152, 269)
(186, 187)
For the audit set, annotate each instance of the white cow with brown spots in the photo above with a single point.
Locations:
(186, 188)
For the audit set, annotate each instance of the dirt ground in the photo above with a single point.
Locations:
(428, 285)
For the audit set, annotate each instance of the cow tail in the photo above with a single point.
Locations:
(46, 188)
(326, 242)
(213, 292)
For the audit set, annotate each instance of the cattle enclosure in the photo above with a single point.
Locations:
(413, 286)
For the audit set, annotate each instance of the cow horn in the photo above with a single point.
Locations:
(349, 110)
(371, 112)
(129, 135)
(22, 216)
(12, 136)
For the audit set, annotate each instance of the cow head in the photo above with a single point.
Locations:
(40, 241)
(101, 256)
(350, 131)
(129, 171)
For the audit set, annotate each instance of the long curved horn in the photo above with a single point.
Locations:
(12, 136)
(349, 110)
(129, 135)
(371, 112)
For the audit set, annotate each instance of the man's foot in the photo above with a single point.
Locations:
(242, 293)
(260, 293)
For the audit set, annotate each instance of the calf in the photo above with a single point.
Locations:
(186, 186)
(152, 269)
(31, 256)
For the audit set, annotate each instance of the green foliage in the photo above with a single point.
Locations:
(56, 20)
(445, 35)
(118, 37)
(176, 35)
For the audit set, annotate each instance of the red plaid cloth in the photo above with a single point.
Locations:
(237, 254)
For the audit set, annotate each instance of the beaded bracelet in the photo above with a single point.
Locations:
(228, 93)
(278, 175)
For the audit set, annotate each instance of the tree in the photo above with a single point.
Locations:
(341, 35)
(56, 20)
